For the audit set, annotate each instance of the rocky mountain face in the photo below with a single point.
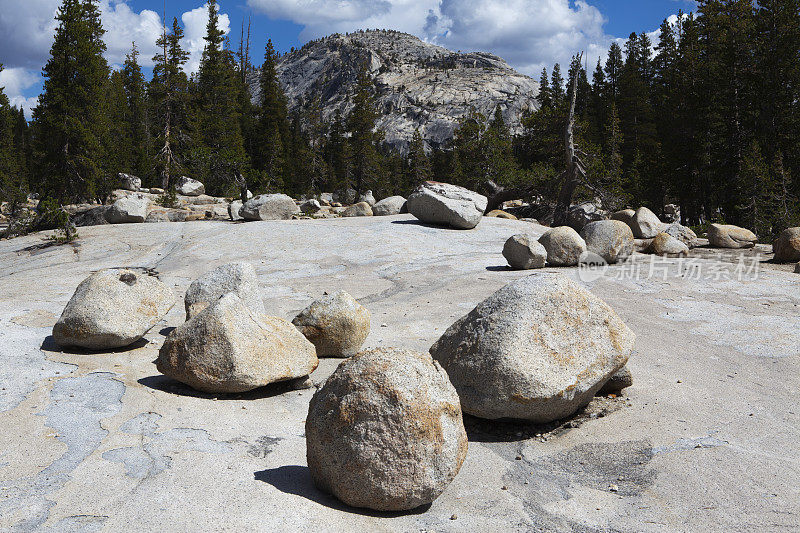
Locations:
(419, 85)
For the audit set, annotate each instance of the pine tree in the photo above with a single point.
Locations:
(544, 98)
(613, 71)
(12, 184)
(557, 91)
(218, 156)
(273, 128)
(419, 167)
(367, 168)
(70, 122)
(136, 115)
(169, 96)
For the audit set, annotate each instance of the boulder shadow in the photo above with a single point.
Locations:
(170, 386)
(166, 331)
(425, 225)
(500, 268)
(510, 430)
(296, 480)
(49, 345)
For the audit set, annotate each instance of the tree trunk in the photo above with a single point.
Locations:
(573, 170)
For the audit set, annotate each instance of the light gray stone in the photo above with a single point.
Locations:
(111, 309)
(336, 324)
(239, 278)
(729, 236)
(128, 210)
(666, 245)
(269, 207)
(625, 215)
(682, 233)
(368, 198)
(129, 182)
(361, 209)
(564, 246)
(189, 187)
(524, 252)
(394, 205)
(645, 224)
(229, 348)
(385, 432)
(538, 350)
(235, 210)
(610, 239)
(787, 246)
(445, 204)
(310, 207)
(167, 215)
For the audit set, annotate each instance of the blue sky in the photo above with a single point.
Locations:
(529, 34)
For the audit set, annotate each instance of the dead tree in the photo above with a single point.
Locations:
(575, 171)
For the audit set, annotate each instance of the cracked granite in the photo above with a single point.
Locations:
(706, 439)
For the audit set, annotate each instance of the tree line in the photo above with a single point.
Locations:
(706, 117)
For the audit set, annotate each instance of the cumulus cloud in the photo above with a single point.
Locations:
(194, 30)
(15, 82)
(529, 34)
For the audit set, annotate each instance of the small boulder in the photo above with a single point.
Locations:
(625, 215)
(368, 198)
(129, 182)
(787, 246)
(682, 233)
(309, 207)
(385, 432)
(621, 380)
(189, 187)
(729, 236)
(229, 348)
(326, 198)
(235, 210)
(580, 215)
(642, 245)
(564, 246)
(238, 278)
(610, 239)
(346, 197)
(645, 224)
(537, 350)
(499, 213)
(666, 245)
(167, 215)
(336, 324)
(269, 207)
(524, 253)
(394, 205)
(361, 209)
(449, 205)
(128, 210)
(112, 309)
(95, 216)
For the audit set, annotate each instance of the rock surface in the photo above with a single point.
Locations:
(449, 205)
(610, 239)
(367, 198)
(269, 207)
(229, 348)
(682, 233)
(787, 246)
(128, 210)
(189, 187)
(538, 350)
(238, 278)
(235, 210)
(499, 213)
(666, 245)
(524, 252)
(361, 209)
(564, 246)
(310, 207)
(421, 86)
(645, 224)
(729, 236)
(129, 182)
(394, 205)
(625, 215)
(336, 324)
(112, 309)
(385, 431)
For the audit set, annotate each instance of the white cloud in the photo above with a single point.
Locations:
(14, 82)
(194, 26)
(124, 26)
(529, 34)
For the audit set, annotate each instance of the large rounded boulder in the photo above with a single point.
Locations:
(336, 324)
(269, 207)
(729, 236)
(448, 205)
(229, 348)
(666, 245)
(361, 209)
(645, 224)
(787, 246)
(112, 309)
(537, 350)
(128, 210)
(189, 187)
(385, 432)
(610, 239)
(239, 278)
(524, 253)
(394, 205)
(564, 246)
